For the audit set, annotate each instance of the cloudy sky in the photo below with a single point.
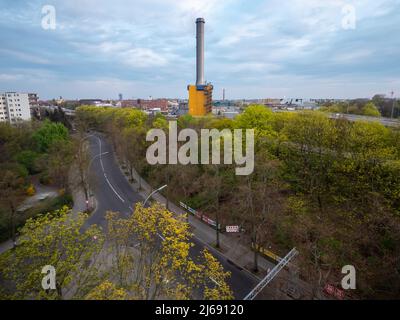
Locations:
(254, 49)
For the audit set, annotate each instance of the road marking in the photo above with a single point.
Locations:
(113, 188)
(161, 237)
(101, 160)
(215, 282)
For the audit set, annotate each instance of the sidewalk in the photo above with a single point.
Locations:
(5, 246)
(231, 245)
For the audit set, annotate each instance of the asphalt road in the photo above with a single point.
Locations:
(353, 117)
(113, 193)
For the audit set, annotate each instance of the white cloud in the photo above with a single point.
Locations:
(10, 77)
(353, 56)
(143, 57)
(246, 41)
(125, 53)
(248, 67)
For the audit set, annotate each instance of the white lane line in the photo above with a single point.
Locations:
(213, 280)
(130, 208)
(161, 237)
(113, 189)
(101, 160)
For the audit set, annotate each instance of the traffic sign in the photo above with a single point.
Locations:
(232, 228)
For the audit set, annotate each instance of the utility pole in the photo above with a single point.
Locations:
(392, 114)
(217, 230)
(153, 192)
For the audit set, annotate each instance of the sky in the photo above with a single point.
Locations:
(253, 49)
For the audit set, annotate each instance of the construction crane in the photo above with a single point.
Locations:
(271, 275)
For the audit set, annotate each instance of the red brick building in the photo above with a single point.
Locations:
(146, 104)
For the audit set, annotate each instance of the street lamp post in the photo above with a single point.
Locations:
(155, 191)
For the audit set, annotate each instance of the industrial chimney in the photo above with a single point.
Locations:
(200, 94)
(200, 51)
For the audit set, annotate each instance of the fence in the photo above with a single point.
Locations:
(201, 216)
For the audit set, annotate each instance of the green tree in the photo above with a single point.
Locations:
(48, 133)
(12, 187)
(371, 110)
(57, 161)
(28, 159)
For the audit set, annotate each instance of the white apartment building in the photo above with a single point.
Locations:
(14, 107)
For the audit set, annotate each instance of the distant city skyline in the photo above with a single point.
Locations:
(257, 49)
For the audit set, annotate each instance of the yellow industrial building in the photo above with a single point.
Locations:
(200, 99)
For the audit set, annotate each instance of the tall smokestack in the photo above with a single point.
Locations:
(200, 51)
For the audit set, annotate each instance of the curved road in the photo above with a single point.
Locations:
(114, 193)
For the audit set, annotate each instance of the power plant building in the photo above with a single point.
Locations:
(200, 94)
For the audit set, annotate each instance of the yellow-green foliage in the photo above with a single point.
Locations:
(54, 239)
(339, 182)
